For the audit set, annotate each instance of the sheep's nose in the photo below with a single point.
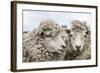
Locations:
(78, 47)
(63, 46)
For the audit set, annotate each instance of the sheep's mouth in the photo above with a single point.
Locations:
(59, 52)
(62, 50)
(76, 52)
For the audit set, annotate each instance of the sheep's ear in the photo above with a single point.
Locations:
(68, 31)
(41, 34)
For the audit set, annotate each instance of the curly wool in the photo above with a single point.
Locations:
(35, 48)
(86, 52)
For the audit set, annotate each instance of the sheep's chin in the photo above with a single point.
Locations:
(76, 52)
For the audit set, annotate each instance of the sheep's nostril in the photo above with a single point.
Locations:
(63, 46)
(78, 47)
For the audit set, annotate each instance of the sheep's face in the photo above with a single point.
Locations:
(77, 39)
(56, 44)
(54, 38)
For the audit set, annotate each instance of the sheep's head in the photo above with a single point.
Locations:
(77, 36)
(52, 35)
(56, 44)
(77, 39)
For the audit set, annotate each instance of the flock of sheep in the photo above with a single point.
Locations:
(54, 42)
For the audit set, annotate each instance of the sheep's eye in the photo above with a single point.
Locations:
(71, 35)
(48, 35)
(38, 48)
(85, 36)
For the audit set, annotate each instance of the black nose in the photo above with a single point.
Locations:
(78, 47)
(63, 46)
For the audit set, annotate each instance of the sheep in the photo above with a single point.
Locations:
(79, 41)
(46, 43)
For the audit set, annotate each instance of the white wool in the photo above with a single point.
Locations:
(86, 49)
(44, 44)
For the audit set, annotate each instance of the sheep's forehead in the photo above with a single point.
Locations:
(76, 24)
(78, 32)
(80, 27)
